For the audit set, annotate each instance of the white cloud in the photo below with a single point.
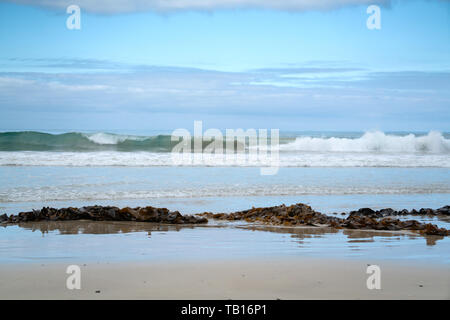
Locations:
(252, 92)
(126, 6)
(173, 97)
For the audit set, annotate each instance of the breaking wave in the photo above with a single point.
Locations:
(74, 141)
(371, 149)
(369, 142)
(379, 142)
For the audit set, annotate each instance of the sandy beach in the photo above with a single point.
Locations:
(230, 279)
(218, 260)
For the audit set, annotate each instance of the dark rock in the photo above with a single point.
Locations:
(444, 210)
(426, 211)
(172, 216)
(387, 212)
(366, 211)
(100, 213)
(431, 229)
(411, 225)
(300, 214)
(297, 214)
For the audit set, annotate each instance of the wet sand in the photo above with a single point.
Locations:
(130, 260)
(238, 279)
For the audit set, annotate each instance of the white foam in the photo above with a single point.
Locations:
(110, 139)
(109, 192)
(377, 142)
(151, 159)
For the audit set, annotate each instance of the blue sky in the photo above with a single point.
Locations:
(294, 65)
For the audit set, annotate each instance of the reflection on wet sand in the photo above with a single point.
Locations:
(368, 236)
(298, 233)
(353, 236)
(99, 227)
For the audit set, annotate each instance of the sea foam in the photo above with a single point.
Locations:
(377, 141)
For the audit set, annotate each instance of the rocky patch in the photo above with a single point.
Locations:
(101, 213)
(445, 211)
(301, 214)
(294, 215)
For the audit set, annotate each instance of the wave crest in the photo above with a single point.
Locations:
(74, 141)
(433, 142)
(370, 142)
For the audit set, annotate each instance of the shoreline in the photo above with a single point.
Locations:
(223, 259)
(298, 214)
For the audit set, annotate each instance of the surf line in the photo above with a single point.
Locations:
(247, 147)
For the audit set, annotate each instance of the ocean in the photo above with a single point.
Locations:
(332, 172)
(302, 149)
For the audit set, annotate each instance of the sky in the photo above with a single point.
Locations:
(298, 65)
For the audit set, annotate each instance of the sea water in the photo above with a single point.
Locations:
(332, 172)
